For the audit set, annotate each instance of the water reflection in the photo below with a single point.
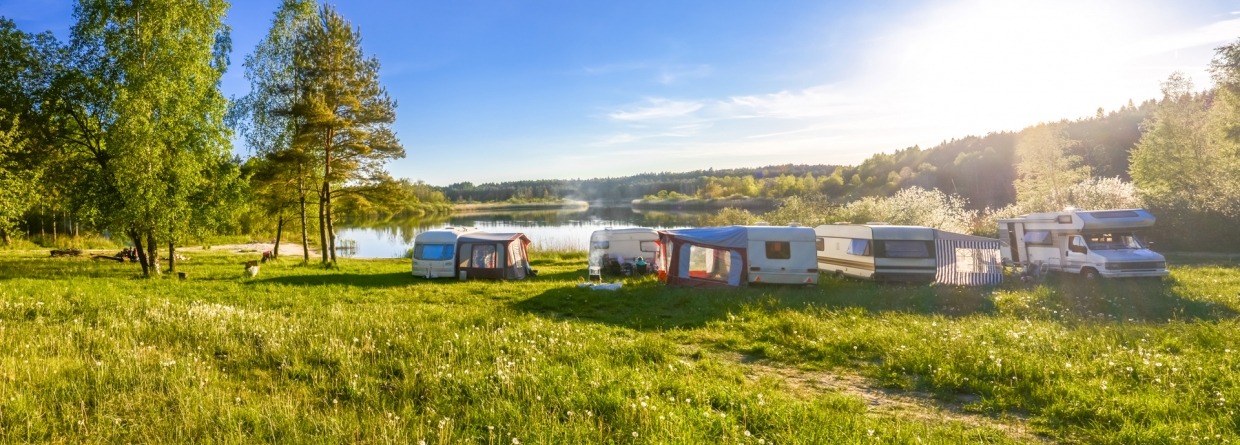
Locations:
(547, 229)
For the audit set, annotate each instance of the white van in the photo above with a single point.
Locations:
(1092, 243)
(434, 252)
(878, 252)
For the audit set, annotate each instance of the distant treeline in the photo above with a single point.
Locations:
(982, 170)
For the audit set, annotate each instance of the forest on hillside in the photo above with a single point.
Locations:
(979, 169)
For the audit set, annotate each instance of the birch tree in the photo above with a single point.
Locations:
(153, 124)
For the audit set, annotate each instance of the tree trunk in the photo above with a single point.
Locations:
(4, 237)
(325, 200)
(305, 234)
(331, 228)
(137, 245)
(275, 250)
(54, 231)
(322, 231)
(172, 258)
(153, 253)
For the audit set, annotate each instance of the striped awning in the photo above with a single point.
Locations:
(968, 262)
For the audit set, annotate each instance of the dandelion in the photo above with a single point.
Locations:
(635, 434)
(515, 441)
(747, 433)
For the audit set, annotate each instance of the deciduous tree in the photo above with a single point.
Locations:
(1045, 168)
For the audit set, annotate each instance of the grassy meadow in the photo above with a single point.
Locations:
(366, 353)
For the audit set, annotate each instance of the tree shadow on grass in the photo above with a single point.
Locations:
(648, 304)
(645, 303)
(1136, 300)
(366, 280)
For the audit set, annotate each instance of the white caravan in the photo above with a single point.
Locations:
(434, 252)
(616, 251)
(781, 255)
(1097, 243)
(879, 252)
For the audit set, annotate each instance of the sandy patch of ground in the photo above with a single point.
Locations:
(257, 249)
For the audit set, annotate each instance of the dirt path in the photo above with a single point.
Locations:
(911, 406)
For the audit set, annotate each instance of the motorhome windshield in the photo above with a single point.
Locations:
(1112, 241)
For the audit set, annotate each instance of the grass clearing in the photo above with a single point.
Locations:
(90, 353)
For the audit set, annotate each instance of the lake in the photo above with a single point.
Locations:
(547, 230)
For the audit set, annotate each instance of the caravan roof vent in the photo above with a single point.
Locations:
(762, 223)
(878, 223)
(794, 224)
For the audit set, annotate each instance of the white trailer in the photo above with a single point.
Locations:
(879, 252)
(617, 250)
(781, 255)
(434, 252)
(1092, 243)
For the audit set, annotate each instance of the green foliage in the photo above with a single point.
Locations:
(1187, 169)
(150, 127)
(1046, 169)
(18, 181)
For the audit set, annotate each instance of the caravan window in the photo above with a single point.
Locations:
(709, 264)
(778, 250)
(905, 249)
(859, 247)
(1112, 241)
(434, 252)
(485, 256)
(600, 245)
(650, 246)
(1038, 237)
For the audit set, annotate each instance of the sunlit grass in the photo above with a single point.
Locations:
(365, 352)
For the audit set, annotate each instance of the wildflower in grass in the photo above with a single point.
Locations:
(635, 434)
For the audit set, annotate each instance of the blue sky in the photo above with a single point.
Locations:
(547, 89)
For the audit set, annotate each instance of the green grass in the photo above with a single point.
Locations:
(90, 353)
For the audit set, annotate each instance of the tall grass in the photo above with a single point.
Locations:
(366, 353)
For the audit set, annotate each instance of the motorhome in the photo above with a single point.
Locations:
(617, 251)
(1092, 243)
(877, 251)
(434, 252)
(738, 255)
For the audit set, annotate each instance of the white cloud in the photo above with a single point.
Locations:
(672, 74)
(656, 109)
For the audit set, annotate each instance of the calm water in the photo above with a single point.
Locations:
(565, 229)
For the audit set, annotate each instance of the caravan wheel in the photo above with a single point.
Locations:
(1089, 274)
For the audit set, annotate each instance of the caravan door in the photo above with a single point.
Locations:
(1076, 255)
